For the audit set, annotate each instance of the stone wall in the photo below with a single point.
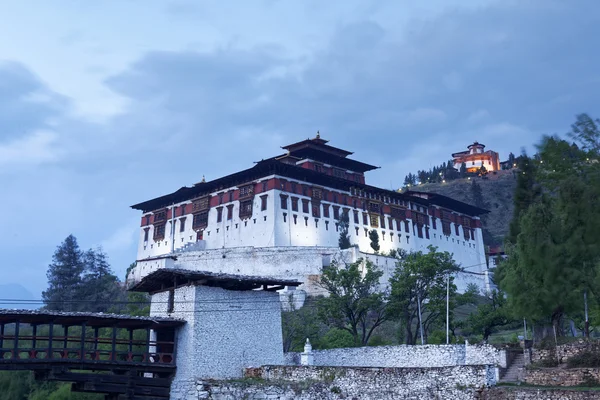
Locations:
(226, 331)
(565, 351)
(405, 356)
(505, 393)
(329, 383)
(562, 376)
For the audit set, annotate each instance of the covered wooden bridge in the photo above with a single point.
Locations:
(123, 356)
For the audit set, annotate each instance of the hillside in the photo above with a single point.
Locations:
(497, 189)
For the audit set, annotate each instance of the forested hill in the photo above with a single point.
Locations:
(495, 194)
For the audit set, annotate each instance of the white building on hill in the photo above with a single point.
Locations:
(289, 206)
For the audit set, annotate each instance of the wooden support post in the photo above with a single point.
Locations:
(130, 340)
(147, 345)
(1, 336)
(66, 329)
(34, 341)
(82, 355)
(114, 344)
(50, 334)
(16, 341)
(95, 339)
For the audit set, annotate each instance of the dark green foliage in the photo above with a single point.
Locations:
(556, 250)
(81, 281)
(354, 303)
(64, 276)
(421, 278)
(526, 192)
(300, 324)
(344, 223)
(374, 238)
(590, 359)
(19, 385)
(490, 316)
(336, 338)
(445, 171)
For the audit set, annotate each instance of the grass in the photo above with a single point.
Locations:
(533, 387)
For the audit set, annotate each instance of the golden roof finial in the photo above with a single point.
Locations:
(203, 179)
(318, 135)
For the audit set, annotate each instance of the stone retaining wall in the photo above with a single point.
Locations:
(331, 383)
(565, 351)
(405, 356)
(562, 377)
(503, 393)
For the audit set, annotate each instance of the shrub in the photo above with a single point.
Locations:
(584, 360)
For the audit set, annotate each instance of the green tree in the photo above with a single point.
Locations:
(138, 304)
(420, 280)
(526, 192)
(298, 324)
(557, 250)
(490, 316)
(344, 223)
(374, 238)
(354, 302)
(463, 170)
(64, 276)
(100, 290)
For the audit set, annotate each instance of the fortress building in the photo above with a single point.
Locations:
(476, 157)
(281, 218)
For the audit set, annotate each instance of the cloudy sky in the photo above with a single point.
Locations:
(105, 104)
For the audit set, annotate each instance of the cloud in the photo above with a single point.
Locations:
(35, 149)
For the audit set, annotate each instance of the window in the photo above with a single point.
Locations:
(456, 229)
(182, 224)
(284, 217)
(427, 232)
(282, 183)
(366, 232)
(466, 233)
(336, 212)
(406, 227)
(305, 206)
(375, 221)
(146, 230)
(159, 232)
(229, 211)
(219, 214)
(433, 222)
(356, 217)
(294, 204)
(374, 207)
(397, 212)
(171, 301)
(472, 234)
(335, 198)
(304, 190)
(263, 202)
(326, 210)
(316, 222)
(200, 220)
(382, 236)
(230, 194)
(357, 178)
(317, 193)
(247, 190)
(160, 216)
(305, 221)
(245, 209)
(265, 186)
(182, 209)
(294, 187)
(383, 222)
(365, 219)
(221, 198)
(147, 220)
(326, 225)
(201, 204)
(338, 173)
(446, 228)
(344, 199)
(354, 203)
(295, 219)
(318, 168)
(356, 231)
(283, 198)
(316, 210)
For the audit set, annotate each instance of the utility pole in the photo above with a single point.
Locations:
(587, 321)
(525, 328)
(448, 309)
(420, 319)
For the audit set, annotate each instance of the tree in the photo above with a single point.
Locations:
(526, 192)
(354, 302)
(64, 276)
(463, 170)
(100, 290)
(511, 160)
(556, 252)
(490, 316)
(138, 304)
(344, 223)
(298, 324)
(419, 280)
(374, 238)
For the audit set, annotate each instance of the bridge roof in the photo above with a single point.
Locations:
(43, 317)
(169, 278)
